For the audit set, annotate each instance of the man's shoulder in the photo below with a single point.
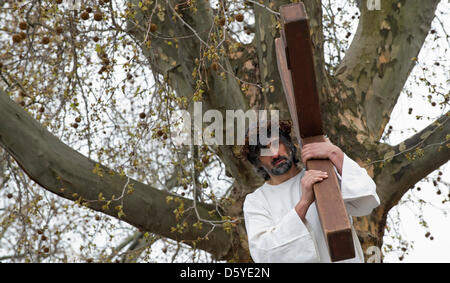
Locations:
(256, 195)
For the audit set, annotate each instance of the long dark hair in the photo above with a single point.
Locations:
(252, 152)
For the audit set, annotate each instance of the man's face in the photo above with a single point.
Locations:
(280, 160)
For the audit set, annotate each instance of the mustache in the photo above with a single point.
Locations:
(278, 159)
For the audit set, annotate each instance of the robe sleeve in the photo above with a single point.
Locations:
(358, 189)
(287, 240)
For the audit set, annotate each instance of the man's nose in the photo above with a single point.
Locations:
(274, 151)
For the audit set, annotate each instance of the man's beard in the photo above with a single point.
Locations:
(283, 167)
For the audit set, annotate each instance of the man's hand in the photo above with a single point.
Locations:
(323, 150)
(308, 180)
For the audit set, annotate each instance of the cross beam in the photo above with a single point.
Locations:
(296, 67)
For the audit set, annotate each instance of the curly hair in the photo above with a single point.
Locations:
(252, 152)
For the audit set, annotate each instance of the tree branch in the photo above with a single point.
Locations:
(380, 59)
(61, 170)
(220, 92)
(412, 160)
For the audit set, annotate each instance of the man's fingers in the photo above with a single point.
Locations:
(314, 176)
(315, 179)
(316, 172)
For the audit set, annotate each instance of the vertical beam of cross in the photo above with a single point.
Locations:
(296, 67)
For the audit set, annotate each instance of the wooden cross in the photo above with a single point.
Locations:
(296, 67)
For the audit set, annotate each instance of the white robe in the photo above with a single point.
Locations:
(277, 234)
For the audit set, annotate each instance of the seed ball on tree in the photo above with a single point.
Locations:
(23, 25)
(16, 38)
(42, 109)
(98, 16)
(78, 119)
(153, 27)
(59, 30)
(45, 40)
(58, 1)
(142, 115)
(23, 35)
(89, 9)
(95, 39)
(239, 17)
(84, 15)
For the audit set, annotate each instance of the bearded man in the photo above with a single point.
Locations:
(280, 217)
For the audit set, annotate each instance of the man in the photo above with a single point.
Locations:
(280, 217)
